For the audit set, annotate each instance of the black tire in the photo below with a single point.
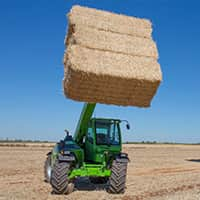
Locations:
(47, 169)
(99, 180)
(117, 180)
(59, 180)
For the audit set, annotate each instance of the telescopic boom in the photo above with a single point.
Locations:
(84, 119)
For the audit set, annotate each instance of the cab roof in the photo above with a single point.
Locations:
(106, 119)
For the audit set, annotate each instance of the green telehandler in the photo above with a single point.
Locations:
(94, 151)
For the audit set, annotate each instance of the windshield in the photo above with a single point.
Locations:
(107, 133)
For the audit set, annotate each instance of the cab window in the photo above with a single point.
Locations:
(107, 133)
(89, 134)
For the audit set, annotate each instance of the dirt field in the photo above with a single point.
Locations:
(156, 172)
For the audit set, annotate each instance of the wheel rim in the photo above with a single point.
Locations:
(49, 171)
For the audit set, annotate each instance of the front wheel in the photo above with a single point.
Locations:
(47, 169)
(117, 180)
(59, 179)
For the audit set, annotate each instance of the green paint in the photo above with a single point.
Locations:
(90, 170)
(84, 119)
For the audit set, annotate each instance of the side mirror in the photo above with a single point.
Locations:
(67, 132)
(128, 126)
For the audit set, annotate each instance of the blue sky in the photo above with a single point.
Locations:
(32, 105)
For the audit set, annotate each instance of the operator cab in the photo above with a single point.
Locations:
(103, 135)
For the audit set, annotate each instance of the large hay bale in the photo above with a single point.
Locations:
(110, 22)
(115, 79)
(109, 41)
(106, 64)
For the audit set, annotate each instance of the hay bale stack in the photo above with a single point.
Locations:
(110, 22)
(110, 59)
(109, 41)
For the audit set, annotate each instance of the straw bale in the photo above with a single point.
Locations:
(108, 21)
(110, 59)
(109, 41)
(116, 79)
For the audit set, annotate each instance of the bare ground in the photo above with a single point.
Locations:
(156, 172)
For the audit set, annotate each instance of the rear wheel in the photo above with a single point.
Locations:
(59, 179)
(117, 180)
(47, 169)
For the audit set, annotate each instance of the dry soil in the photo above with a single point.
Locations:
(155, 172)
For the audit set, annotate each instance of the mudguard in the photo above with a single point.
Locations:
(49, 153)
(66, 157)
(122, 157)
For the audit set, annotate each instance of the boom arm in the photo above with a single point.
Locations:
(84, 119)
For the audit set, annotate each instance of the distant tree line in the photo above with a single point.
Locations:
(7, 140)
(155, 142)
(22, 141)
